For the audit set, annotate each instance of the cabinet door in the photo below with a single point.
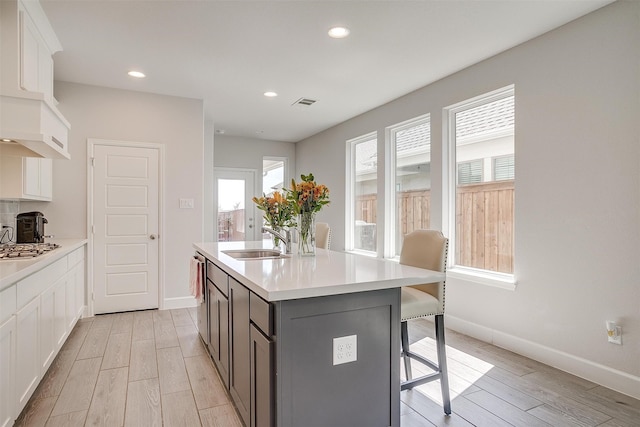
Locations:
(27, 351)
(223, 360)
(214, 322)
(60, 312)
(79, 282)
(31, 176)
(47, 324)
(70, 309)
(7, 372)
(262, 372)
(239, 381)
(29, 54)
(46, 179)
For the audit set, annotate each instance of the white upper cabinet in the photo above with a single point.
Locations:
(30, 116)
(26, 178)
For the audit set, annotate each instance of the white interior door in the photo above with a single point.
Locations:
(235, 211)
(125, 228)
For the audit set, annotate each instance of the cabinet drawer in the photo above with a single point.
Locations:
(75, 257)
(38, 282)
(261, 314)
(218, 277)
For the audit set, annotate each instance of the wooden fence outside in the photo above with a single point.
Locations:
(484, 221)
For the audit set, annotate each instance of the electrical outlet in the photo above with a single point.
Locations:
(186, 203)
(345, 349)
(615, 335)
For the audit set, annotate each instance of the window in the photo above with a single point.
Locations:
(273, 176)
(470, 172)
(482, 194)
(273, 179)
(504, 168)
(409, 150)
(362, 155)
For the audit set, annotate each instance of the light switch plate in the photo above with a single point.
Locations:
(186, 203)
(345, 349)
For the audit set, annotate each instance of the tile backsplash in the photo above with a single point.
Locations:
(8, 211)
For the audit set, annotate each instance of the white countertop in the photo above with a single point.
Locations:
(328, 273)
(15, 270)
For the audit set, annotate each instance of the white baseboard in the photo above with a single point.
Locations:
(603, 375)
(178, 302)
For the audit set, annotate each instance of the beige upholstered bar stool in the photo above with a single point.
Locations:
(323, 235)
(425, 249)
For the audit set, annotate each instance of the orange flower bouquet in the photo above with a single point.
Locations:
(307, 198)
(278, 211)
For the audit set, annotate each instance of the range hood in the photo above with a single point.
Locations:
(30, 123)
(31, 127)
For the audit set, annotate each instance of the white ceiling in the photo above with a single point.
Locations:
(229, 53)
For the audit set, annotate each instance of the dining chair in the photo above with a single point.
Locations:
(323, 235)
(425, 249)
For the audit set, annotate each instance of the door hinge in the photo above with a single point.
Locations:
(93, 161)
(93, 229)
(92, 299)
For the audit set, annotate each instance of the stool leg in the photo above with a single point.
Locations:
(442, 363)
(404, 338)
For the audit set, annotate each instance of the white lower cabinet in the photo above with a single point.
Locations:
(60, 330)
(27, 351)
(75, 288)
(7, 372)
(36, 316)
(53, 321)
(47, 326)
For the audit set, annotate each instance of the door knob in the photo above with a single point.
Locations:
(153, 237)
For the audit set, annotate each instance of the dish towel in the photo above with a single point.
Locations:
(196, 279)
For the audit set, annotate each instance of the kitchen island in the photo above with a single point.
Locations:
(307, 341)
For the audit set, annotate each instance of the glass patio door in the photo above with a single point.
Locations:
(234, 210)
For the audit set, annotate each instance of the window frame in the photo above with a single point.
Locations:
(390, 175)
(350, 193)
(449, 187)
(285, 176)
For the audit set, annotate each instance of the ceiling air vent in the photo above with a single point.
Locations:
(304, 102)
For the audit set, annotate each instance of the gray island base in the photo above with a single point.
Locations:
(311, 390)
(301, 342)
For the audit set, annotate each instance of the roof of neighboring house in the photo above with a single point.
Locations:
(486, 120)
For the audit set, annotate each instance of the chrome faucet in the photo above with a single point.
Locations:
(286, 238)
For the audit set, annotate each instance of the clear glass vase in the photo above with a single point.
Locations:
(307, 234)
(276, 240)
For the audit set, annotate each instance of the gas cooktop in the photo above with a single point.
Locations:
(13, 251)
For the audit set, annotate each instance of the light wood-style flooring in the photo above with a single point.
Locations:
(149, 368)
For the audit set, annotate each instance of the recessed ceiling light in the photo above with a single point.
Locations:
(137, 74)
(270, 94)
(338, 32)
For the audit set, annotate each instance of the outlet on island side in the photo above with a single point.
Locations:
(345, 349)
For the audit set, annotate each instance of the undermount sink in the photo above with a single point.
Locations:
(249, 254)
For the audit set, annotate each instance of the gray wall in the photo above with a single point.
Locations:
(577, 193)
(247, 153)
(103, 113)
